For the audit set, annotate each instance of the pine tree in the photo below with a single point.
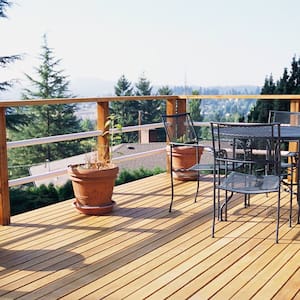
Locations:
(5, 60)
(125, 111)
(47, 120)
(165, 90)
(289, 83)
(151, 110)
(13, 118)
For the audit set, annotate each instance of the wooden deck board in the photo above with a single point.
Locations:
(141, 250)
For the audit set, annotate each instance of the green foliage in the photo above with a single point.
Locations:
(125, 110)
(65, 191)
(151, 110)
(289, 83)
(29, 197)
(132, 175)
(131, 112)
(3, 5)
(45, 120)
(165, 90)
(12, 117)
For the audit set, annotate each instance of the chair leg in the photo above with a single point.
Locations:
(172, 191)
(291, 195)
(172, 179)
(291, 205)
(215, 194)
(278, 218)
(198, 184)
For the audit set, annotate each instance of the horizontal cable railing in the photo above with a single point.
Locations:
(74, 136)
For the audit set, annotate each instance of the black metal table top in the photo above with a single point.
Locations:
(288, 133)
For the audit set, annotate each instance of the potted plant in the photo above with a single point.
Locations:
(94, 180)
(184, 157)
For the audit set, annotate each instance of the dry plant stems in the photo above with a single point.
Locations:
(91, 160)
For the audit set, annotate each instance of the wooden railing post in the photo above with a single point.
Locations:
(103, 141)
(294, 107)
(293, 146)
(181, 105)
(174, 106)
(4, 191)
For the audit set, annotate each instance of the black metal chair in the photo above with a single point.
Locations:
(181, 133)
(289, 164)
(247, 160)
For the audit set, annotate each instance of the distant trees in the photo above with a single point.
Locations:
(13, 118)
(45, 120)
(289, 83)
(165, 90)
(194, 108)
(126, 111)
(124, 108)
(150, 109)
(130, 113)
(6, 60)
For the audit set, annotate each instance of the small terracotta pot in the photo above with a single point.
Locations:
(93, 188)
(184, 157)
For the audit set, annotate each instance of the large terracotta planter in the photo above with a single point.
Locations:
(184, 157)
(93, 188)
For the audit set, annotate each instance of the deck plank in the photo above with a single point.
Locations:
(141, 250)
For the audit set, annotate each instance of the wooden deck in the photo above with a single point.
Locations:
(142, 251)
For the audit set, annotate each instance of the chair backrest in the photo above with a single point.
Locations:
(286, 118)
(180, 128)
(247, 147)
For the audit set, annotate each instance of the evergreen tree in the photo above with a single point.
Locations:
(125, 111)
(151, 109)
(5, 60)
(13, 117)
(194, 107)
(123, 87)
(143, 87)
(165, 90)
(289, 83)
(46, 120)
(195, 111)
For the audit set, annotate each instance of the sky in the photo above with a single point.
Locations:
(171, 42)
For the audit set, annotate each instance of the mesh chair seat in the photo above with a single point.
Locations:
(249, 184)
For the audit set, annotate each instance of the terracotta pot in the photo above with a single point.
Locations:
(93, 188)
(184, 157)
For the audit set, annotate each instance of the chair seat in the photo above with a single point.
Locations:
(202, 167)
(250, 184)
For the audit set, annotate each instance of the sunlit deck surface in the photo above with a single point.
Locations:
(143, 251)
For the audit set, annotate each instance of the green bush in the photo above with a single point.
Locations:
(29, 197)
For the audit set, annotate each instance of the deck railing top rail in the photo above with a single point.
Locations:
(15, 103)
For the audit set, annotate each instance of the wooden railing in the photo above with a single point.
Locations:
(173, 104)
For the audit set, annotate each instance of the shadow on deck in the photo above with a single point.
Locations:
(141, 250)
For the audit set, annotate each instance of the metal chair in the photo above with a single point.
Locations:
(289, 164)
(247, 160)
(181, 134)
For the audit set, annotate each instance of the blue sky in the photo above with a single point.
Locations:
(200, 42)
